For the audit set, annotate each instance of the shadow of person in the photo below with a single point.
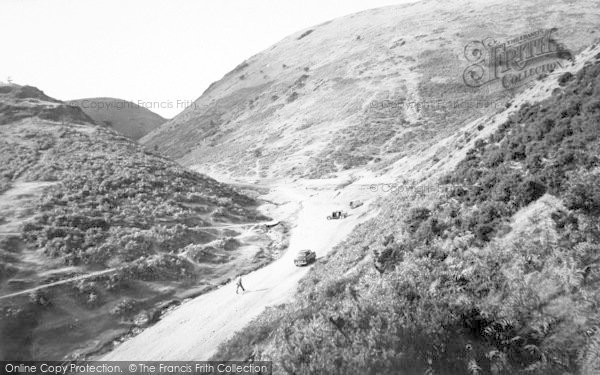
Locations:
(257, 290)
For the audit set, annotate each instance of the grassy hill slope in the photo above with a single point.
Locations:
(364, 90)
(79, 198)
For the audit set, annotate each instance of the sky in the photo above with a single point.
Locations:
(147, 50)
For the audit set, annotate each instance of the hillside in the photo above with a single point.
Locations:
(120, 233)
(359, 92)
(20, 102)
(127, 118)
(493, 269)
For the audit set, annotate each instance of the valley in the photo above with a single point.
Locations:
(454, 218)
(217, 315)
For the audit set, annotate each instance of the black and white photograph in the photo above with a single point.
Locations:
(402, 187)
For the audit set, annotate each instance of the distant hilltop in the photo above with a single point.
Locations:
(130, 119)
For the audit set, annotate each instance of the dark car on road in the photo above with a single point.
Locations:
(305, 257)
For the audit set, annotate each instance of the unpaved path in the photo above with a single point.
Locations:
(59, 282)
(18, 198)
(194, 330)
(102, 272)
(229, 226)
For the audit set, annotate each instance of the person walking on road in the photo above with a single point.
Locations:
(239, 285)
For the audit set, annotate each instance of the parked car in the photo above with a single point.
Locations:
(337, 215)
(305, 257)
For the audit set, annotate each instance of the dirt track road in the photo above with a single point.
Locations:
(194, 330)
